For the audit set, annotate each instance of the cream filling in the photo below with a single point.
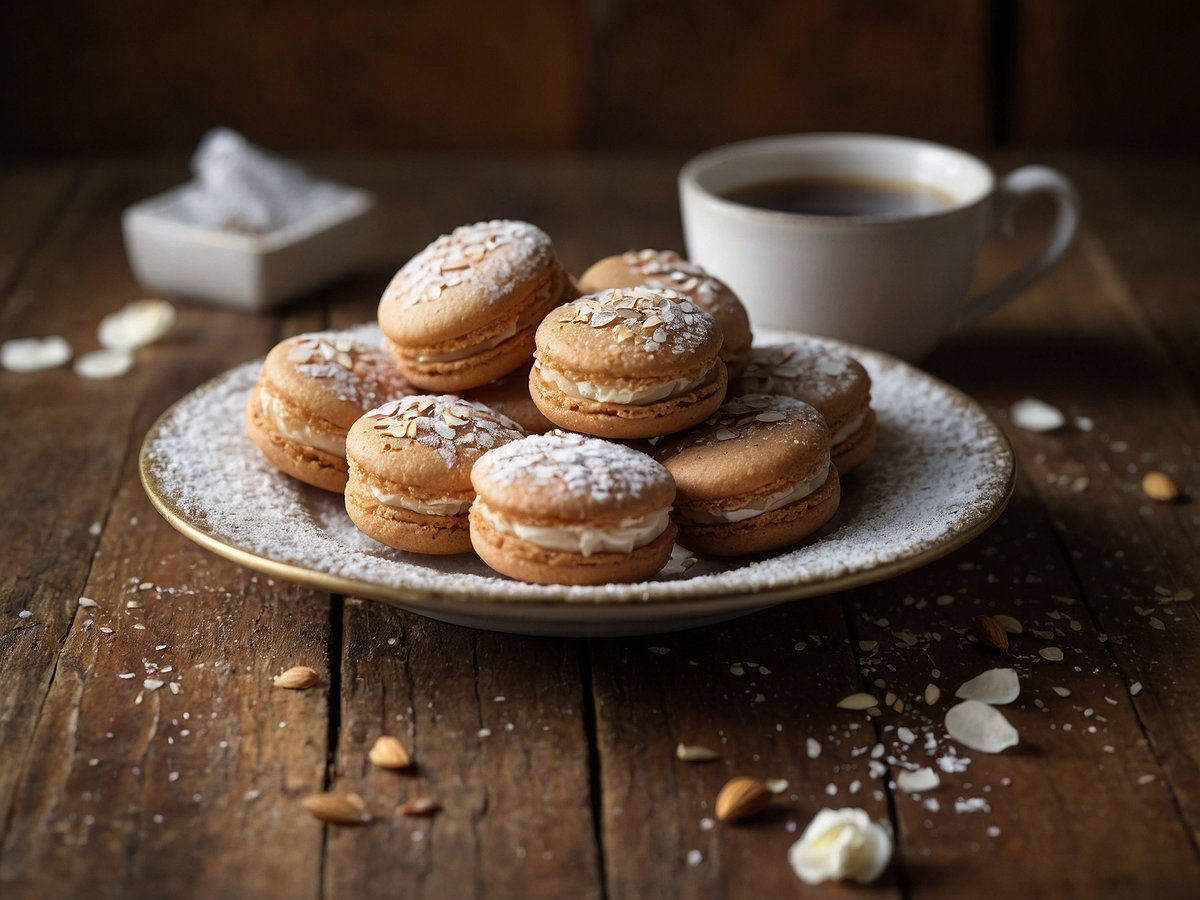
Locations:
(631, 533)
(590, 390)
(847, 430)
(473, 349)
(294, 430)
(533, 311)
(448, 506)
(760, 506)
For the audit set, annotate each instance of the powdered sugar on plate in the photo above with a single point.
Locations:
(941, 471)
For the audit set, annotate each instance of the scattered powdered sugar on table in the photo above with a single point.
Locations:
(940, 467)
(575, 464)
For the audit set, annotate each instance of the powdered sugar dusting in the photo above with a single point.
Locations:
(487, 255)
(578, 465)
(648, 318)
(940, 469)
(356, 372)
(667, 269)
(446, 424)
(807, 369)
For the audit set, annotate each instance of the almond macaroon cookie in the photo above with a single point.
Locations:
(628, 363)
(826, 378)
(667, 269)
(755, 477)
(410, 470)
(463, 311)
(311, 389)
(562, 508)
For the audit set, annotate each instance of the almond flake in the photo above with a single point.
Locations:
(1051, 653)
(980, 727)
(136, 325)
(1156, 622)
(102, 364)
(419, 807)
(1008, 623)
(857, 701)
(297, 678)
(995, 686)
(388, 753)
(336, 808)
(1034, 415)
(695, 753)
(1160, 486)
(932, 693)
(34, 354)
(1061, 691)
(917, 782)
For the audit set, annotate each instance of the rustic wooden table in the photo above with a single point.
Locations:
(554, 759)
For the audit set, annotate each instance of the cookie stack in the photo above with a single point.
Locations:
(567, 439)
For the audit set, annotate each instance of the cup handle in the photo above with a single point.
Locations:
(1012, 191)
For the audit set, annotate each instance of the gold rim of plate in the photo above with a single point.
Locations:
(436, 600)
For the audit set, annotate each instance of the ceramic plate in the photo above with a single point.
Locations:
(941, 474)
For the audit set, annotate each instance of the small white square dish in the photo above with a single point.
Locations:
(251, 272)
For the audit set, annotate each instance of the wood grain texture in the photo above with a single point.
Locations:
(584, 795)
(755, 690)
(689, 76)
(293, 75)
(1105, 74)
(495, 725)
(158, 783)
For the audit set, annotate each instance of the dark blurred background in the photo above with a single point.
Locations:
(112, 77)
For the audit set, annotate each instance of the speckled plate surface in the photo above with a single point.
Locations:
(941, 474)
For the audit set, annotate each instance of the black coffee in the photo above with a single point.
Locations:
(842, 197)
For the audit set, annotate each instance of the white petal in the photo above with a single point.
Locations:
(993, 686)
(34, 354)
(136, 325)
(104, 364)
(1034, 415)
(915, 782)
(980, 727)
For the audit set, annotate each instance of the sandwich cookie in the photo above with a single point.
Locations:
(310, 391)
(667, 269)
(754, 477)
(628, 363)
(510, 395)
(828, 379)
(562, 508)
(463, 311)
(410, 470)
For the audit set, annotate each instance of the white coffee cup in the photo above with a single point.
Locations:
(897, 283)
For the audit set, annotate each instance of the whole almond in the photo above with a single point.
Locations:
(337, 808)
(742, 797)
(298, 678)
(1160, 486)
(388, 753)
(419, 806)
(991, 632)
